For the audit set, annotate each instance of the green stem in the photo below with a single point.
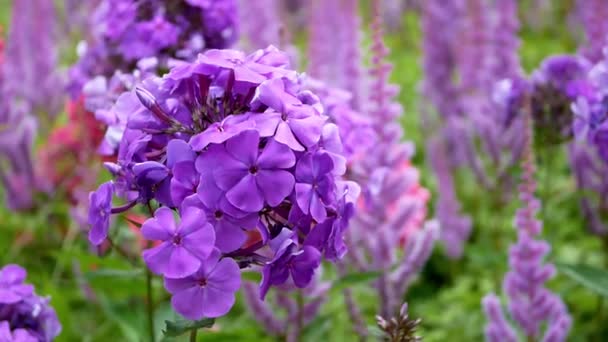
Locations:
(150, 306)
(193, 335)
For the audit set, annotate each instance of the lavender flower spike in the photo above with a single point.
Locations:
(530, 303)
(29, 77)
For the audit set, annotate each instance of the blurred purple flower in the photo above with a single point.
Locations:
(99, 212)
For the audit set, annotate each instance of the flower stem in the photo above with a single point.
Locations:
(193, 335)
(150, 306)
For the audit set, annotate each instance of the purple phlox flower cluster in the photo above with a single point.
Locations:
(591, 14)
(530, 303)
(227, 154)
(283, 314)
(590, 105)
(334, 55)
(24, 316)
(28, 91)
(130, 37)
(389, 228)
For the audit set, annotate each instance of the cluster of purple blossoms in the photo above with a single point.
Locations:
(233, 159)
(126, 31)
(24, 316)
(119, 51)
(530, 303)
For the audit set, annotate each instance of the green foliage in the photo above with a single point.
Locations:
(180, 327)
(593, 278)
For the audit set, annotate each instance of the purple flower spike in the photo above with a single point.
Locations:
(99, 212)
(314, 184)
(288, 259)
(250, 179)
(184, 247)
(12, 289)
(209, 292)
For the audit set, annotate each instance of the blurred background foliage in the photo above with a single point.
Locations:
(446, 296)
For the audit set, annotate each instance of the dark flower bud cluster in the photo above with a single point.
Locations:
(399, 329)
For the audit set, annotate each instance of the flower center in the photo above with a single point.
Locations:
(253, 169)
(218, 214)
(284, 117)
(177, 240)
(202, 282)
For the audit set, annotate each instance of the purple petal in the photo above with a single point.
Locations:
(200, 243)
(193, 219)
(226, 275)
(303, 196)
(244, 147)
(179, 151)
(181, 263)
(304, 266)
(229, 236)
(275, 185)
(276, 156)
(308, 130)
(157, 258)
(177, 285)
(190, 302)
(245, 195)
(285, 135)
(216, 301)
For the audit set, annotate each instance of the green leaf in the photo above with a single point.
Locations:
(177, 328)
(114, 273)
(255, 277)
(593, 278)
(354, 279)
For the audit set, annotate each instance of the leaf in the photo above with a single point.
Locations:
(177, 328)
(255, 277)
(129, 332)
(593, 278)
(354, 279)
(114, 273)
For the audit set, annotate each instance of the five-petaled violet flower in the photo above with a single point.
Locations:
(184, 247)
(252, 178)
(209, 292)
(99, 212)
(289, 260)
